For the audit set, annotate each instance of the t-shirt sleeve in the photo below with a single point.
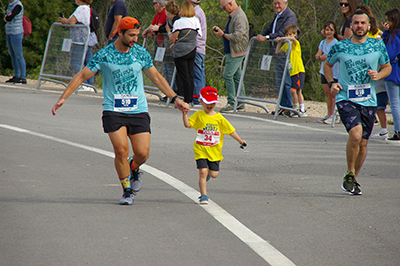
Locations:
(384, 58)
(332, 55)
(119, 9)
(226, 127)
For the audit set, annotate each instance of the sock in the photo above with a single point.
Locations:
(295, 105)
(302, 107)
(134, 165)
(125, 182)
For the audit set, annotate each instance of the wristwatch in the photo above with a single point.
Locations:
(330, 84)
(267, 36)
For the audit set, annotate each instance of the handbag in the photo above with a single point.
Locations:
(27, 26)
(171, 48)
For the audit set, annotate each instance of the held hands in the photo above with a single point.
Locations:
(182, 106)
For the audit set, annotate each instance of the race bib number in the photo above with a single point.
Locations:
(359, 93)
(125, 102)
(207, 138)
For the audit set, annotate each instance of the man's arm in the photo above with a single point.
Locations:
(117, 19)
(163, 85)
(328, 73)
(77, 80)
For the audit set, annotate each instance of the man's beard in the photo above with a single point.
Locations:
(359, 35)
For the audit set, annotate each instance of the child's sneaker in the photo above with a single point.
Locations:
(303, 114)
(203, 199)
(383, 133)
(208, 177)
(127, 197)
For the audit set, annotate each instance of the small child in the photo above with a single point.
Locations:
(210, 128)
(296, 70)
(324, 47)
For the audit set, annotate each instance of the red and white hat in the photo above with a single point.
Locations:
(209, 95)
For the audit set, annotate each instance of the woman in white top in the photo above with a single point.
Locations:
(81, 15)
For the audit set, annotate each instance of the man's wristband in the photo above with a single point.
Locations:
(223, 35)
(330, 84)
(174, 98)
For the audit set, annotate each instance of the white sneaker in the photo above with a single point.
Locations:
(383, 133)
(323, 119)
(303, 114)
(85, 88)
(329, 120)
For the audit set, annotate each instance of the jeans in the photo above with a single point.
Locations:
(232, 73)
(76, 57)
(184, 70)
(14, 43)
(279, 62)
(393, 92)
(88, 57)
(199, 76)
(168, 73)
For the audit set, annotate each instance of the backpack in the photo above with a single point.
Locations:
(94, 20)
(27, 26)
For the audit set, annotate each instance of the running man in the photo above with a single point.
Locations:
(359, 60)
(125, 110)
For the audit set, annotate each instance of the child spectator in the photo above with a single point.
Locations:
(210, 128)
(296, 67)
(324, 47)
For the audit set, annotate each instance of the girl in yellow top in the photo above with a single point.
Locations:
(296, 67)
(210, 127)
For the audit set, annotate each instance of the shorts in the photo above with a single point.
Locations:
(135, 123)
(298, 80)
(324, 81)
(353, 114)
(382, 100)
(205, 163)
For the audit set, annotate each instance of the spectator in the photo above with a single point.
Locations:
(348, 7)
(391, 37)
(159, 19)
(296, 70)
(117, 11)
(283, 17)
(81, 15)
(15, 33)
(183, 35)
(235, 38)
(199, 68)
(324, 47)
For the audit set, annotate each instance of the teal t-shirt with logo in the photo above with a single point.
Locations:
(354, 62)
(123, 87)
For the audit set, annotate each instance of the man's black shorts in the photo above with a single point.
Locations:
(135, 123)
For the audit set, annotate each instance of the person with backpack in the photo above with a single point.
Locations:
(82, 15)
(15, 33)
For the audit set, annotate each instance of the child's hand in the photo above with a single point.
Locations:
(244, 144)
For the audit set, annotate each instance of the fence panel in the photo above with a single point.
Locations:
(163, 61)
(264, 75)
(65, 53)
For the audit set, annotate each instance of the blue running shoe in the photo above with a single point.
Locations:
(127, 197)
(208, 177)
(203, 199)
(136, 177)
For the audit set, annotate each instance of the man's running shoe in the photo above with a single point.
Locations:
(395, 139)
(329, 120)
(136, 178)
(357, 190)
(203, 199)
(383, 133)
(127, 197)
(348, 182)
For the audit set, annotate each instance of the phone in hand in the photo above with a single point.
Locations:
(60, 14)
(215, 29)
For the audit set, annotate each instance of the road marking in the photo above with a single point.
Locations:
(255, 242)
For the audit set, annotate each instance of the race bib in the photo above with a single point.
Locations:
(359, 93)
(207, 138)
(125, 102)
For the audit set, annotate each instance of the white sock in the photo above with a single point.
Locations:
(302, 107)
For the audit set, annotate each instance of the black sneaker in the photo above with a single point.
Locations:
(136, 178)
(19, 81)
(357, 190)
(348, 182)
(395, 139)
(11, 80)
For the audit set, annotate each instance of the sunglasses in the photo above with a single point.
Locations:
(344, 4)
(136, 26)
(155, 3)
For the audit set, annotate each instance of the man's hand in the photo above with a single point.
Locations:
(261, 38)
(181, 105)
(58, 104)
(335, 88)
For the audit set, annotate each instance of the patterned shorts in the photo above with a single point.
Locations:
(353, 114)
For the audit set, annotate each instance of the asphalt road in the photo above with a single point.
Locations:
(278, 202)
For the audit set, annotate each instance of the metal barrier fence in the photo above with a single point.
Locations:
(263, 76)
(65, 53)
(163, 61)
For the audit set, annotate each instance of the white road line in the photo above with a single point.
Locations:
(255, 242)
